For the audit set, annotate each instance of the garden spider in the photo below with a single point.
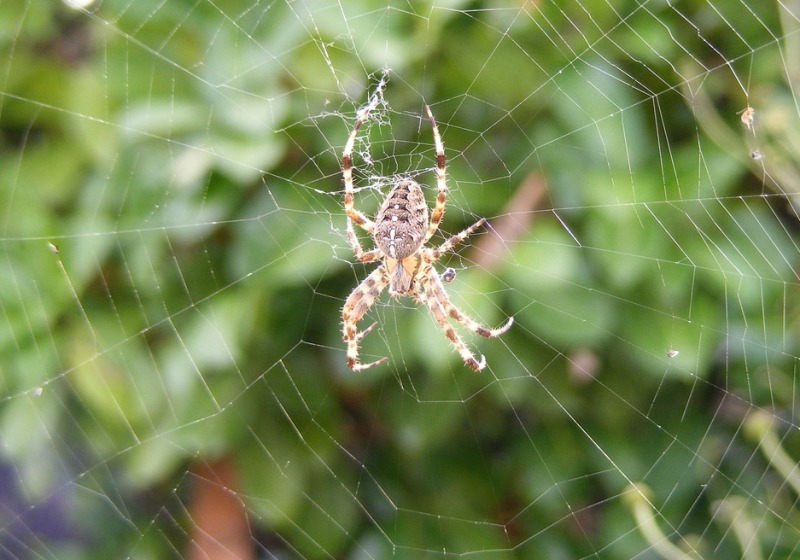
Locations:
(400, 231)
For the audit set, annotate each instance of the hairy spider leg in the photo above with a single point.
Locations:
(434, 283)
(359, 302)
(441, 179)
(451, 243)
(431, 299)
(354, 215)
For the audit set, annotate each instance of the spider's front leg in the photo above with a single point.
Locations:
(357, 304)
(355, 244)
(441, 178)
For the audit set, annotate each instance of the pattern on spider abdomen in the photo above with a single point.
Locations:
(402, 221)
(399, 232)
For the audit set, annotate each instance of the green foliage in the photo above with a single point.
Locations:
(174, 262)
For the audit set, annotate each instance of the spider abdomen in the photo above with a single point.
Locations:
(402, 221)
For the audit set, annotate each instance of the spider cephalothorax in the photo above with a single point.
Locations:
(400, 231)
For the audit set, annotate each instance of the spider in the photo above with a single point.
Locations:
(399, 232)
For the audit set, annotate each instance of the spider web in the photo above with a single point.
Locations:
(174, 262)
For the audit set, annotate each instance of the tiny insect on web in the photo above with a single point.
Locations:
(400, 231)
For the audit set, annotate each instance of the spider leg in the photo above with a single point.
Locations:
(434, 283)
(347, 171)
(441, 179)
(355, 244)
(435, 253)
(357, 304)
(437, 308)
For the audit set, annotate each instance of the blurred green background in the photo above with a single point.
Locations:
(174, 262)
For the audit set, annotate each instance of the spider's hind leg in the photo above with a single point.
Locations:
(354, 364)
(440, 305)
(357, 304)
(461, 317)
(436, 304)
(438, 312)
